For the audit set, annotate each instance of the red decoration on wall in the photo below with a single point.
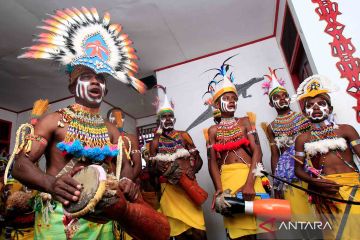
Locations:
(342, 48)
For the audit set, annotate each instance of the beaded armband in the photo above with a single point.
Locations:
(209, 146)
(193, 150)
(299, 154)
(40, 139)
(251, 132)
(135, 151)
(272, 144)
(355, 142)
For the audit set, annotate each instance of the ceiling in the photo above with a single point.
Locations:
(164, 32)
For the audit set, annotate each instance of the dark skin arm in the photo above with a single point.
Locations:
(198, 162)
(350, 135)
(274, 150)
(63, 188)
(135, 156)
(248, 190)
(212, 165)
(327, 186)
(128, 187)
(275, 154)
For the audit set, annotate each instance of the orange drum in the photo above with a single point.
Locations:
(193, 190)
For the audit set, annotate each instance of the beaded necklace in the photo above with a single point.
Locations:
(170, 146)
(229, 135)
(87, 136)
(290, 125)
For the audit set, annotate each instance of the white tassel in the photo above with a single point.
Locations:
(258, 170)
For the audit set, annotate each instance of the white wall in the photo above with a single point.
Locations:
(11, 117)
(316, 44)
(187, 83)
(146, 120)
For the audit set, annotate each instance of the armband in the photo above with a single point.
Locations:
(355, 142)
(135, 151)
(252, 131)
(40, 139)
(299, 154)
(193, 150)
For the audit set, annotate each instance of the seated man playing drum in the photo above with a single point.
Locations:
(77, 136)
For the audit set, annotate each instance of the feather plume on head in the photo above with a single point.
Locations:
(222, 82)
(274, 84)
(313, 86)
(163, 106)
(78, 37)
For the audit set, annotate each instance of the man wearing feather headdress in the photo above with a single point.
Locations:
(175, 159)
(78, 136)
(237, 143)
(328, 148)
(282, 133)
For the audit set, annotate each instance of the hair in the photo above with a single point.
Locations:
(112, 109)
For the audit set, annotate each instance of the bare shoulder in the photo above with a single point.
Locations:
(184, 133)
(303, 137)
(346, 127)
(243, 121)
(49, 120)
(347, 130)
(47, 125)
(212, 129)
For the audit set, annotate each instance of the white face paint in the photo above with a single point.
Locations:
(169, 125)
(224, 105)
(281, 106)
(323, 107)
(82, 91)
(111, 118)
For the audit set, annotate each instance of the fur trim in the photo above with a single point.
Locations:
(180, 153)
(325, 145)
(284, 141)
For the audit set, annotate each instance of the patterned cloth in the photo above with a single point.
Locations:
(55, 228)
(285, 168)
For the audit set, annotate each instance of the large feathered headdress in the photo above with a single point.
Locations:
(274, 85)
(313, 86)
(165, 105)
(79, 37)
(221, 83)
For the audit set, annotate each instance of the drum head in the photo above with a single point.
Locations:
(89, 179)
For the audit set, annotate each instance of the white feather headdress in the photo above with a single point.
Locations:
(79, 37)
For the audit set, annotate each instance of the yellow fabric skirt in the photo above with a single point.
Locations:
(352, 224)
(301, 209)
(233, 176)
(181, 212)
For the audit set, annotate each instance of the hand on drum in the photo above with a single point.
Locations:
(248, 192)
(65, 189)
(162, 166)
(129, 188)
(190, 172)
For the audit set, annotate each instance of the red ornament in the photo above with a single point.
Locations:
(342, 48)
